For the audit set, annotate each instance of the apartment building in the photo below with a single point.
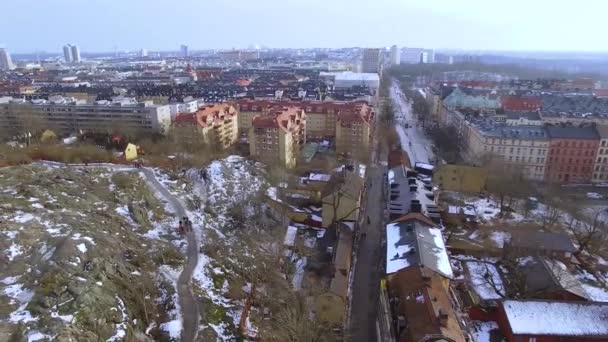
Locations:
(278, 135)
(522, 148)
(354, 130)
(600, 168)
(572, 154)
(321, 116)
(217, 124)
(66, 115)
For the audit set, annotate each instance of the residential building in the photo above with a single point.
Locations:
(523, 119)
(460, 178)
(536, 243)
(322, 117)
(459, 99)
(414, 240)
(371, 61)
(277, 136)
(521, 103)
(550, 279)
(548, 321)
(395, 55)
(216, 123)
(422, 307)
(6, 63)
(143, 53)
(67, 53)
(183, 50)
(354, 130)
(68, 115)
(600, 167)
(75, 53)
(522, 148)
(332, 305)
(342, 199)
(572, 153)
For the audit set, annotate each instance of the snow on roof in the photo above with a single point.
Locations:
(425, 166)
(290, 236)
(393, 249)
(418, 244)
(319, 177)
(440, 253)
(557, 318)
(480, 273)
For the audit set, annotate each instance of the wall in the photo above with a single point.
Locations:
(569, 162)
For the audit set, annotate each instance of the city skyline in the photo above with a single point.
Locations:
(470, 25)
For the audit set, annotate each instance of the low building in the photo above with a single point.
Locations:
(536, 243)
(548, 321)
(342, 199)
(414, 240)
(68, 115)
(461, 178)
(422, 307)
(276, 137)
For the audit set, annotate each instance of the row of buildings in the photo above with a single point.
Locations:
(517, 130)
(435, 289)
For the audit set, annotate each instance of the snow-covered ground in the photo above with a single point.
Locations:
(481, 330)
(485, 280)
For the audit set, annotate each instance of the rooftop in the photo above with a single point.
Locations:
(535, 317)
(416, 243)
(542, 241)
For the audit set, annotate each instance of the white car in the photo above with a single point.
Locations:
(594, 195)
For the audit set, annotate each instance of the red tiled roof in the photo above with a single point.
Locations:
(600, 92)
(184, 119)
(521, 103)
(416, 216)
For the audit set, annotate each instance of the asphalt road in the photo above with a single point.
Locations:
(366, 283)
(187, 300)
(413, 139)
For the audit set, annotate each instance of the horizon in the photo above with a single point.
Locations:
(469, 25)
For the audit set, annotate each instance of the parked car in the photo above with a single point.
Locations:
(594, 195)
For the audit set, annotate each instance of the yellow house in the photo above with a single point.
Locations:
(460, 178)
(342, 202)
(131, 152)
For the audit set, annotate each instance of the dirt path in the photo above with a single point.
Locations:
(187, 300)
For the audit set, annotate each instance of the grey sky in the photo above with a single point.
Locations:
(164, 25)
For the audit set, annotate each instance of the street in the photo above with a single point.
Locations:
(366, 284)
(413, 139)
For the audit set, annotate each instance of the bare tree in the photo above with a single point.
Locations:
(589, 231)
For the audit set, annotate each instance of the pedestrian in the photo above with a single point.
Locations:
(181, 228)
(189, 225)
(368, 220)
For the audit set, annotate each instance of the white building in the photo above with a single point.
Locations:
(424, 57)
(395, 56)
(66, 115)
(6, 63)
(348, 79)
(143, 53)
(371, 61)
(189, 105)
(67, 53)
(75, 53)
(184, 50)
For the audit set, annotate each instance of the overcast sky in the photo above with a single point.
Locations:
(557, 25)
